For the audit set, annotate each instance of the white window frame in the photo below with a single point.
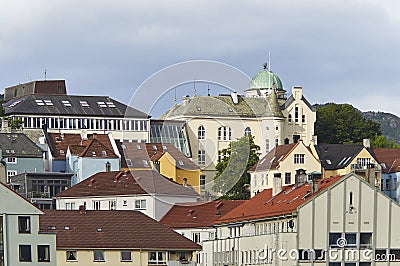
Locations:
(12, 160)
(299, 158)
(201, 157)
(141, 203)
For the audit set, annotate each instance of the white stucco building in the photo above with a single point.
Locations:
(335, 221)
(263, 112)
(143, 190)
(21, 242)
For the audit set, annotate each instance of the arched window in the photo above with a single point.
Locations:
(247, 132)
(201, 132)
(224, 133)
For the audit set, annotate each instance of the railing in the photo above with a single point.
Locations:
(181, 263)
(40, 195)
(356, 167)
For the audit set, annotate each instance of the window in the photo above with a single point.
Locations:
(12, 160)
(43, 253)
(84, 103)
(126, 255)
(383, 181)
(202, 182)
(96, 205)
(11, 173)
(267, 145)
(296, 114)
(104, 153)
(247, 132)
(224, 133)
(24, 224)
(98, 255)
(288, 178)
(303, 118)
(140, 204)
(201, 157)
(351, 239)
(70, 205)
(196, 237)
(201, 133)
(157, 257)
(66, 103)
(125, 203)
(394, 183)
(387, 188)
(289, 118)
(365, 240)
(112, 204)
(333, 239)
(299, 158)
(351, 198)
(71, 255)
(25, 253)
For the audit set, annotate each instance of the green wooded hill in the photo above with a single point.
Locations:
(390, 124)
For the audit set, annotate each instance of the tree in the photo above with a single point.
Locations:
(15, 123)
(232, 179)
(383, 142)
(343, 124)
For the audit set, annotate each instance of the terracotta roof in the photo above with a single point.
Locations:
(263, 205)
(389, 159)
(111, 230)
(127, 183)
(199, 214)
(272, 159)
(182, 162)
(59, 144)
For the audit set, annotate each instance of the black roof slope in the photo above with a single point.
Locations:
(78, 106)
(337, 156)
(18, 145)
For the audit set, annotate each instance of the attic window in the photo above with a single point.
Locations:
(123, 146)
(230, 109)
(48, 102)
(66, 103)
(12, 151)
(273, 158)
(138, 147)
(62, 152)
(154, 147)
(198, 108)
(14, 104)
(328, 162)
(66, 227)
(164, 147)
(145, 163)
(99, 229)
(84, 103)
(347, 160)
(102, 104)
(111, 104)
(104, 153)
(180, 162)
(262, 161)
(129, 162)
(93, 153)
(39, 102)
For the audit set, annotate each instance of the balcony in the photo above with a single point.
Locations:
(38, 195)
(362, 168)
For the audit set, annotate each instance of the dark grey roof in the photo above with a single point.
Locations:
(18, 145)
(72, 106)
(291, 99)
(223, 106)
(337, 156)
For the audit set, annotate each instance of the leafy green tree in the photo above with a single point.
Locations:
(232, 179)
(15, 123)
(344, 124)
(383, 142)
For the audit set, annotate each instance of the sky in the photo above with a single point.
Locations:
(343, 51)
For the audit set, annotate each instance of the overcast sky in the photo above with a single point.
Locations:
(339, 51)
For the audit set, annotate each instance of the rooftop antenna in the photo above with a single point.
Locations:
(194, 87)
(175, 95)
(45, 74)
(208, 91)
(269, 60)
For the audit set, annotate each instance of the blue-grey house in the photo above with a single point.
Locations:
(390, 177)
(19, 154)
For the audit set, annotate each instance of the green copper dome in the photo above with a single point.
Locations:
(265, 79)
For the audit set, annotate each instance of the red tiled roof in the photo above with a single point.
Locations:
(390, 158)
(111, 230)
(199, 214)
(127, 183)
(263, 205)
(272, 159)
(60, 142)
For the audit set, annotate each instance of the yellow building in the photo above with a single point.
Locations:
(340, 159)
(166, 159)
(115, 238)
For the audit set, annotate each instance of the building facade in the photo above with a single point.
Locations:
(21, 241)
(334, 221)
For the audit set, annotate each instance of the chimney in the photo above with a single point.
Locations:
(82, 209)
(314, 186)
(235, 98)
(314, 140)
(367, 143)
(185, 182)
(277, 184)
(186, 100)
(91, 182)
(297, 92)
(84, 135)
(108, 166)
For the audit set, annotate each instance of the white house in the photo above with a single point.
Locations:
(21, 241)
(334, 221)
(289, 161)
(143, 190)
